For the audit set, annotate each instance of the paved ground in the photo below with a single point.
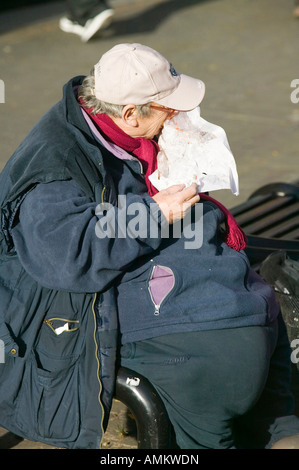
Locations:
(245, 50)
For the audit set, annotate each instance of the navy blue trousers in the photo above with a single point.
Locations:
(222, 389)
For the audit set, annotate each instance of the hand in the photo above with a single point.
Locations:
(176, 200)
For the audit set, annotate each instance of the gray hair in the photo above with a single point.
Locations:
(86, 94)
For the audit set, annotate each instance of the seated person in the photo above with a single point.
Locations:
(80, 216)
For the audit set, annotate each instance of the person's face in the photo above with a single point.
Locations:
(151, 126)
(143, 126)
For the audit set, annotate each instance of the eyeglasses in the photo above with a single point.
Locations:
(171, 112)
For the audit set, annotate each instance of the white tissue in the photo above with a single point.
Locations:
(61, 329)
(194, 150)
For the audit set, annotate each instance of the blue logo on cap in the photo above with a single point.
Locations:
(173, 71)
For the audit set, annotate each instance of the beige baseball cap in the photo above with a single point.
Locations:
(137, 74)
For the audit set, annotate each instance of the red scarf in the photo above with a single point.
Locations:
(234, 235)
(146, 151)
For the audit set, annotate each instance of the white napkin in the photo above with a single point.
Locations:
(194, 150)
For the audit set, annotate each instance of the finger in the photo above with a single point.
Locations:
(188, 194)
(193, 199)
(175, 188)
(190, 203)
(190, 191)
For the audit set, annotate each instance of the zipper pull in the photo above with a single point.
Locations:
(157, 310)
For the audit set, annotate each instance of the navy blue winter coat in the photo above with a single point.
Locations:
(54, 388)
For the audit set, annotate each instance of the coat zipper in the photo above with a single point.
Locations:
(98, 365)
(158, 306)
(102, 195)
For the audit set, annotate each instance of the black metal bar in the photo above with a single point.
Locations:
(264, 221)
(154, 430)
(278, 189)
(259, 248)
(262, 210)
(288, 230)
(237, 211)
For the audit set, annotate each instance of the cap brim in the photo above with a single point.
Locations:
(188, 95)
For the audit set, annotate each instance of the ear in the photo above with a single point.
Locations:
(130, 115)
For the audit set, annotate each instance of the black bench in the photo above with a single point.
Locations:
(270, 219)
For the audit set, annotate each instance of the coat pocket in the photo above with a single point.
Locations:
(48, 402)
(161, 283)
